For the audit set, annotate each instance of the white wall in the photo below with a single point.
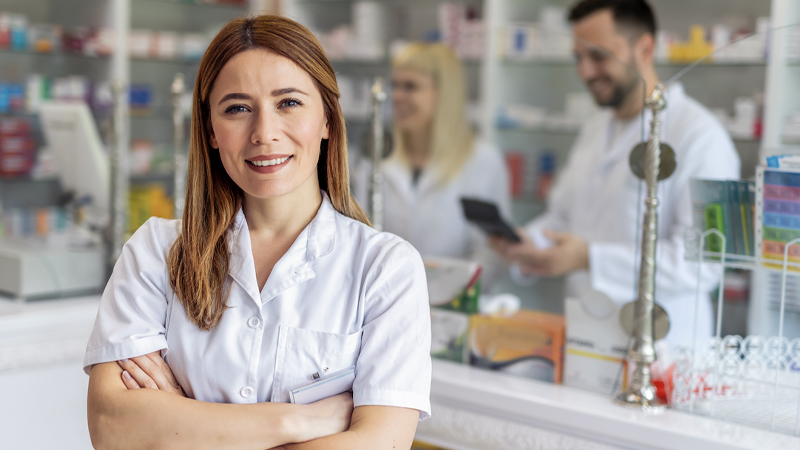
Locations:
(44, 407)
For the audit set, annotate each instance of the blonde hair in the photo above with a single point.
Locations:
(452, 139)
(199, 260)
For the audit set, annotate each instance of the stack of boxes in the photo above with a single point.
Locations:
(17, 147)
(462, 30)
(549, 38)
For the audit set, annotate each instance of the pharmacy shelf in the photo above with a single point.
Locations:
(574, 132)
(540, 130)
(571, 62)
(60, 54)
(153, 177)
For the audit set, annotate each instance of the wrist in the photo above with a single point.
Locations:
(295, 426)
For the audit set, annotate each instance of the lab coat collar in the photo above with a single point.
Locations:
(315, 241)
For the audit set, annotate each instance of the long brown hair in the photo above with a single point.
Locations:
(199, 259)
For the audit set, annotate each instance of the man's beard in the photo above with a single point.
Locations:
(622, 91)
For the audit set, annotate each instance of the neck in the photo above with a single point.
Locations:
(284, 216)
(417, 145)
(633, 104)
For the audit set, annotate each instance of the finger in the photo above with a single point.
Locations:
(498, 244)
(527, 269)
(555, 236)
(523, 235)
(523, 252)
(141, 378)
(128, 381)
(154, 371)
(165, 369)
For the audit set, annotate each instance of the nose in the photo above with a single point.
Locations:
(266, 127)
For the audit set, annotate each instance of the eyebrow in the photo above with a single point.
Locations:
(275, 93)
(234, 96)
(287, 90)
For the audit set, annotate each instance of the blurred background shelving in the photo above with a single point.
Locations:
(72, 42)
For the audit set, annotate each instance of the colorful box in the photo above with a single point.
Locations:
(527, 343)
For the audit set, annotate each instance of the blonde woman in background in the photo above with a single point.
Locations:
(436, 160)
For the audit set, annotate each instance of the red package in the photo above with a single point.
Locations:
(17, 148)
(516, 170)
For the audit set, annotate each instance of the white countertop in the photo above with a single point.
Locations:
(585, 415)
(44, 332)
(472, 408)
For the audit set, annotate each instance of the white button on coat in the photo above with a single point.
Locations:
(246, 392)
(254, 322)
(342, 295)
(597, 197)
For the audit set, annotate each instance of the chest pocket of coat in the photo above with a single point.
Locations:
(302, 353)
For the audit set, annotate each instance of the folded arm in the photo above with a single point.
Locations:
(123, 418)
(373, 428)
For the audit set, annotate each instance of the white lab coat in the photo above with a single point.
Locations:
(430, 216)
(597, 197)
(342, 295)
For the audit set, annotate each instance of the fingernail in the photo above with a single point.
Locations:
(126, 375)
(124, 361)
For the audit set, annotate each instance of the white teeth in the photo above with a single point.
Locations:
(270, 162)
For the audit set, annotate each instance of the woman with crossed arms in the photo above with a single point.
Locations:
(273, 277)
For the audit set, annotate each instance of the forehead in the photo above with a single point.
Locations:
(597, 29)
(261, 71)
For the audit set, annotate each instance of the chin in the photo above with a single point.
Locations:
(267, 190)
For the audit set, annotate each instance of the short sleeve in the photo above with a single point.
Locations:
(131, 318)
(394, 366)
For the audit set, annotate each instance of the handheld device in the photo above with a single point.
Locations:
(487, 217)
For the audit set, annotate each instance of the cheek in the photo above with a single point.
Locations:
(307, 134)
(428, 105)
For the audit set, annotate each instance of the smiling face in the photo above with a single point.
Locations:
(600, 51)
(268, 122)
(414, 100)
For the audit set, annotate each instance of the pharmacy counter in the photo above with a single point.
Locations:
(42, 345)
(474, 409)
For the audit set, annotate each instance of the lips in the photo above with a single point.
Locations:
(263, 162)
(269, 163)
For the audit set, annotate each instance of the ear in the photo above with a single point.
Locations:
(646, 47)
(211, 137)
(326, 131)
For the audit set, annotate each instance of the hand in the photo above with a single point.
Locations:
(326, 417)
(503, 246)
(149, 372)
(568, 254)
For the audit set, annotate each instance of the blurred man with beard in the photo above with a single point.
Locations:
(589, 231)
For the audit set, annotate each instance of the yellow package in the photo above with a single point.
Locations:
(528, 344)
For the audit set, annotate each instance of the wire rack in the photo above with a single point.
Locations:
(752, 380)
